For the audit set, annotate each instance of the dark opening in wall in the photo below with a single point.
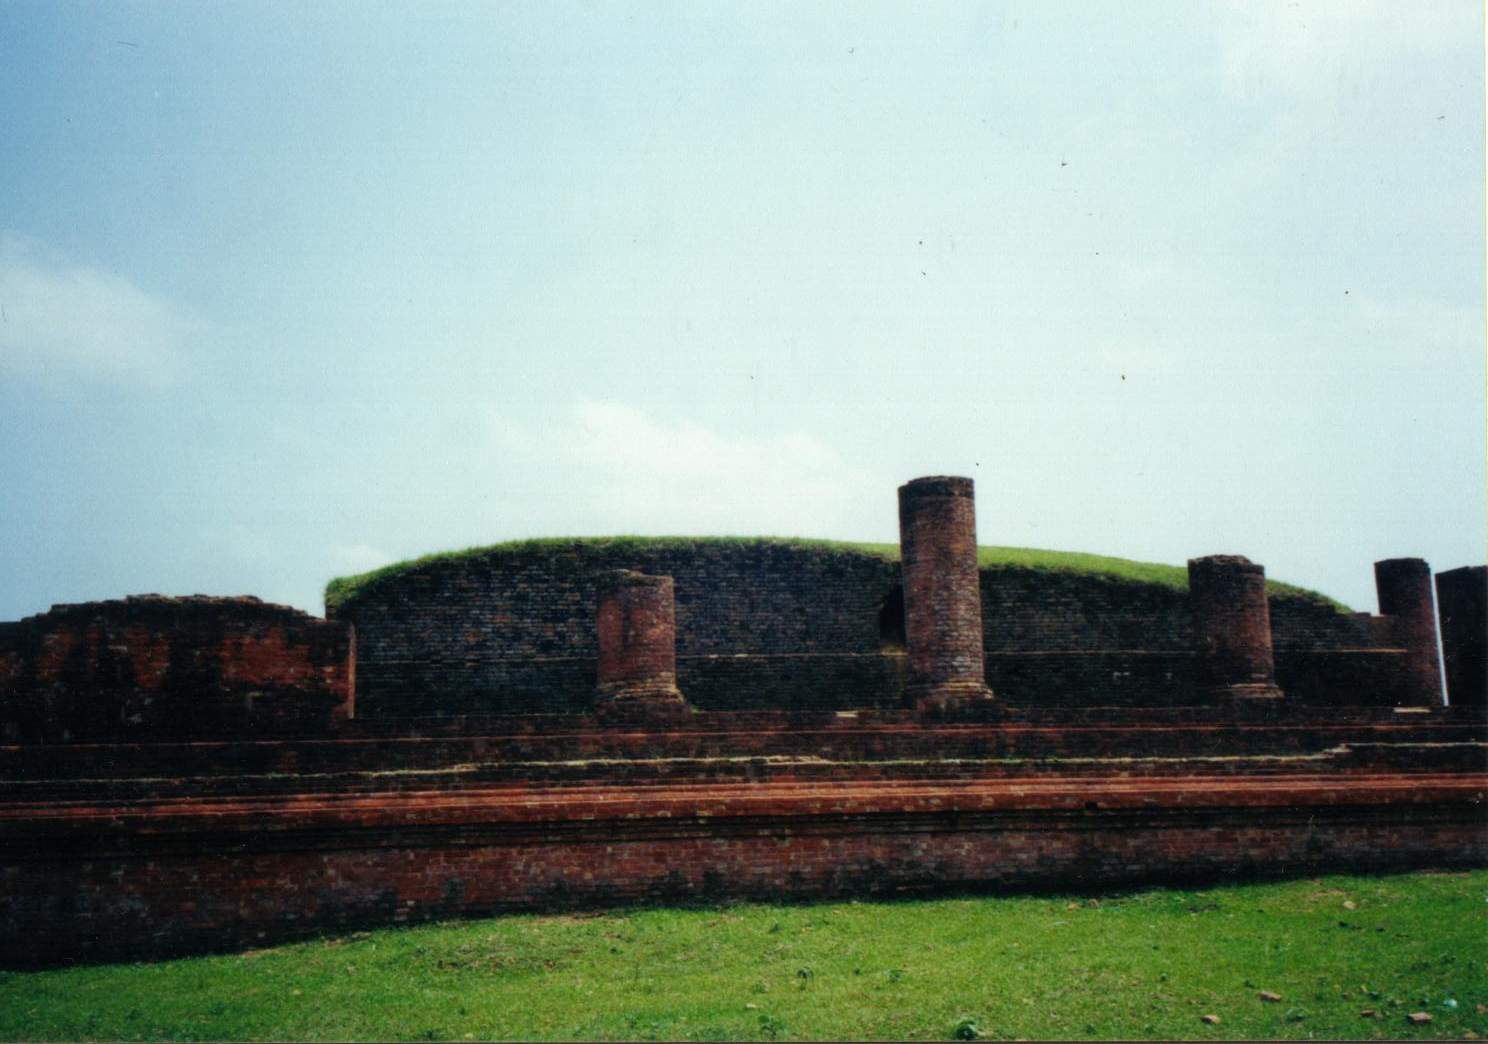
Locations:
(891, 620)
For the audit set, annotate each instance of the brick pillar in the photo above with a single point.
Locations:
(1232, 628)
(637, 643)
(942, 593)
(1404, 586)
(1462, 598)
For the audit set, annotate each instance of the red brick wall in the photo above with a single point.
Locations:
(96, 883)
(156, 665)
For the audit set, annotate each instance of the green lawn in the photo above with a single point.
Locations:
(1148, 964)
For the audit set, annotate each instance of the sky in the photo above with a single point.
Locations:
(292, 291)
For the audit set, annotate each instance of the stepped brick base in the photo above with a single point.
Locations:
(90, 882)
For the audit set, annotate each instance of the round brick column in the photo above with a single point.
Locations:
(1462, 598)
(942, 593)
(1404, 587)
(637, 626)
(1231, 628)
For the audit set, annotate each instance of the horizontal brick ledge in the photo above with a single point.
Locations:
(845, 731)
(496, 806)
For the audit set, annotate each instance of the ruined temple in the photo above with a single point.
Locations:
(561, 722)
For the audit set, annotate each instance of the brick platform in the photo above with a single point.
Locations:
(251, 842)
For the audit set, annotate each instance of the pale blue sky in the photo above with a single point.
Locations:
(289, 294)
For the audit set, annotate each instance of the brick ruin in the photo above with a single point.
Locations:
(162, 666)
(593, 722)
(637, 630)
(942, 596)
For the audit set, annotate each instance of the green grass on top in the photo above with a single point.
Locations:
(343, 589)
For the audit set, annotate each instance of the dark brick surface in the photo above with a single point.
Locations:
(515, 631)
(151, 664)
(1405, 597)
(1231, 628)
(1463, 598)
(763, 626)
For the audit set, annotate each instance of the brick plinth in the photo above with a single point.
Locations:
(942, 594)
(637, 630)
(1462, 597)
(1232, 628)
(155, 879)
(1404, 586)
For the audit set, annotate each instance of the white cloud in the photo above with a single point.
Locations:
(1324, 47)
(634, 473)
(61, 317)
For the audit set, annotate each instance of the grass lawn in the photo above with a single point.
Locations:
(1147, 964)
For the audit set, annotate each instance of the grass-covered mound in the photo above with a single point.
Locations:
(1149, 964)
(344, 589)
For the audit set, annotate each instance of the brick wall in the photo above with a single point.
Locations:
(178, 666)
(166, 878)
(772, 625)
(153, 846)
(512, 631)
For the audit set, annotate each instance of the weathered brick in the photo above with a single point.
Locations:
(152, 665)
(1463, 598)
(1404, 586)
(942, 599)
(1232, 628)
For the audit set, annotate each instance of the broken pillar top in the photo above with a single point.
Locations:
(1417, 563)
(1222, 560)
(939, 486)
